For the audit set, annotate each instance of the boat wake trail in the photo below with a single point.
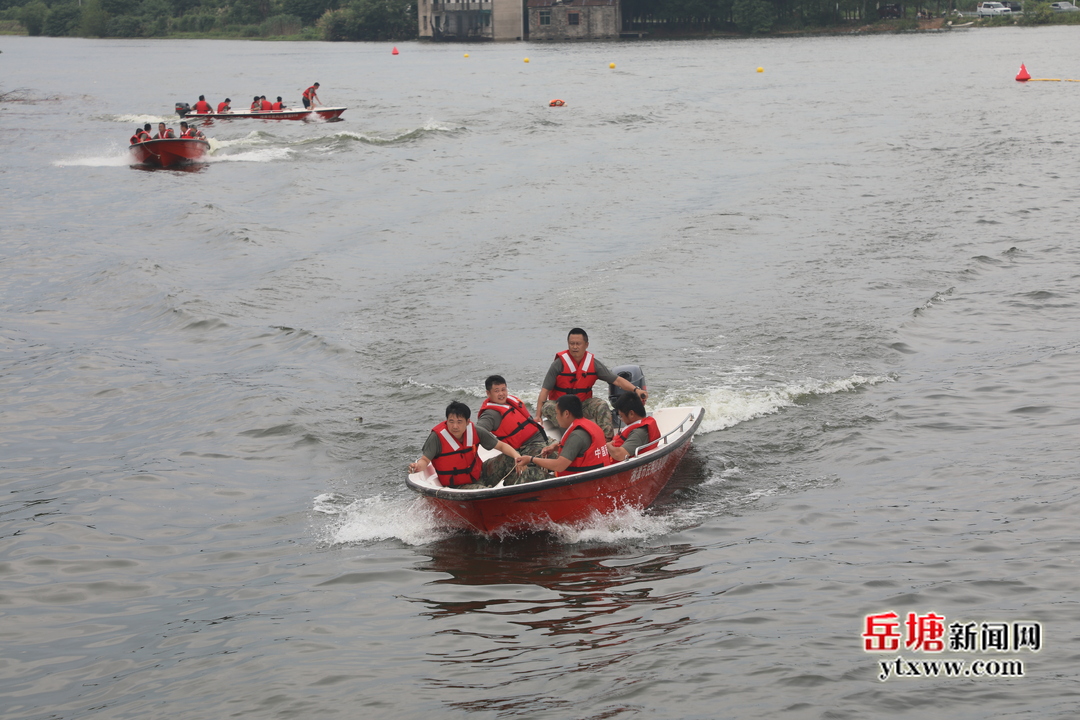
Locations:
(113, 158)
(727, 406)
(372, 519)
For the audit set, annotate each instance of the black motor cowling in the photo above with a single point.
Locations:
(632, 373)
(182, 109)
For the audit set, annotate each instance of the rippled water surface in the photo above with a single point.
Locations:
(862, 261)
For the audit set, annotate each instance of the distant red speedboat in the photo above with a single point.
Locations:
(326, 113)
(170, 151)
(633, 483)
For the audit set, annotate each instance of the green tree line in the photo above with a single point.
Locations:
(305, 19)
(396, 19)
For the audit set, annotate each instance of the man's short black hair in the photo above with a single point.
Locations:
(630, 403)
(146, 126)
(458, 408)
(494, 380)
(578, 331)
(570, 404)
(202, 97)
(279, 98)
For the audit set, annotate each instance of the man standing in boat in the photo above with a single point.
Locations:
(452, 448)
(507, 418)
(574, 372)
(310, 97)
(583, 446)
(639, 431)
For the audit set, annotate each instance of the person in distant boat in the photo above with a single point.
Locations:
(146, 131)
(164, 132)
(573, 372)
(640, 433)
(266, 104)
(224, 106)
(452, 446)
(311, 99)
(256, 104)
(137, 137)
(202, 107)
(507, 418)
(185, 131)
(583, 446)
(278, 105)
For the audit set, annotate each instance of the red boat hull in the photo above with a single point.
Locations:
(634, 483)
(322, 113)
(169, 152)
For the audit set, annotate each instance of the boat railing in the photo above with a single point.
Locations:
(664, 438)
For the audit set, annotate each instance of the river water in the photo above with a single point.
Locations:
(861, 261)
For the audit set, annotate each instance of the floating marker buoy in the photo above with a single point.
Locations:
(556, 103)
(611, 65)
(526, 59)
(761, 69)
(466, 54)
(1022, 76)
(394, 51)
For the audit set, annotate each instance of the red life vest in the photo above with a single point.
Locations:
(596, 456)
(517, 425)
(649, 424)
(163, 135)
(135, 139)
(574, 380)
(457, 463)
(256, 106)
(267, 105)
(278, 106)
(223, 107)
(202, 107)
(143, 136)
(310, 92)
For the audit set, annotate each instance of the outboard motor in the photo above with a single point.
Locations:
(632, 373)
(182, 109)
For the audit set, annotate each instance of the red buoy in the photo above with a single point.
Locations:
(394, 51)
(1022, 76)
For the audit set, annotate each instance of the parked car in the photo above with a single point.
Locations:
(986, 9)
(1063, 7)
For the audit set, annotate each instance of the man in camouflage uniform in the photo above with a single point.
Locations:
(507, 417)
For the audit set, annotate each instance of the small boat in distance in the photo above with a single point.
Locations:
(169, 152)
(633, 483)
(323, 113)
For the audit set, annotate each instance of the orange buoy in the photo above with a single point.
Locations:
(1022, 76)
(394, 51)
(556, 103)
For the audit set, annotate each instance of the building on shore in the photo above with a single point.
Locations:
(456, 21)
(574, 19)
(463, 20)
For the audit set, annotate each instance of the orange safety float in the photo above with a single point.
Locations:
(556, 103)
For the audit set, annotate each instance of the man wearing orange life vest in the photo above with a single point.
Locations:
(310, 98)
(452, 446)
(278, 105)
(582, 448)
(266, 105)
(574, 372)
(639, 431)
(164, 132)
(202, 107)
(507, 418)
(224, 106)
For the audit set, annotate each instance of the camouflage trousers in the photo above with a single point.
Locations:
(595, 409)
(500, 465)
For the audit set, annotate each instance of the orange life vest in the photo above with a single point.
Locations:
(596, 456)
(223, 107)
(256, 106)
(267, 105)
(135, 139)
(457, 462)
(278, 106)
(556, 103)
(517, 425)
(649, 424)
(574, 380)
(310, 93)
(202, 107)
(143, 136)
(164, 135)
(189, 133)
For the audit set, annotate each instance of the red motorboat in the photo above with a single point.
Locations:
(633, 483)
(170, 151)
(325, 113)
